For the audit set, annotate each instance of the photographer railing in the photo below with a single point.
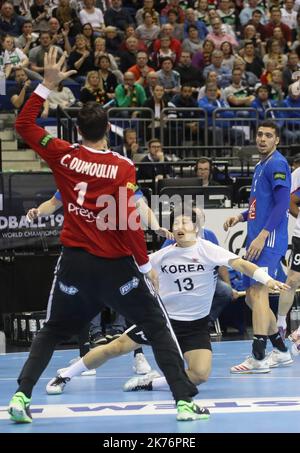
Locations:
(289, 125)
(138, 118)
(67, 123)
(183, 131)
(233, 127)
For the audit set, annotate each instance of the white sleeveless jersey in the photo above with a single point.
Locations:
(296, 188)
(187, 277)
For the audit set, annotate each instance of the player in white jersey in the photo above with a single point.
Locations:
(293, 277)
(186, 273)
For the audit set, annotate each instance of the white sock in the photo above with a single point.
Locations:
(160, 384)
(74, 370)
(281, 321)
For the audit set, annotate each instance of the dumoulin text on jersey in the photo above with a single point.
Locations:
(90, 168)
(173, 268)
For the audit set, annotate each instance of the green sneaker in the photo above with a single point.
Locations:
(190, 411)
(19, 410)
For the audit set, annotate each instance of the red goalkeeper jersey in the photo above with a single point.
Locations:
(97, 189)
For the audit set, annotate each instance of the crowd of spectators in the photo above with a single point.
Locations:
(145, 52)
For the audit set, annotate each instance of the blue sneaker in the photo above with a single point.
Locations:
(19, 409)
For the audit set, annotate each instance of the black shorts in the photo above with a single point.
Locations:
(295, 255)
(191, 335)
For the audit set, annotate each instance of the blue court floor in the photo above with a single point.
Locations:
(267, 403)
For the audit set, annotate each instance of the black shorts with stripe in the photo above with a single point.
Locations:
(295, 255)
(191, 335)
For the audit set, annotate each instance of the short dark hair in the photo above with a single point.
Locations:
(183, 209)
(203, 160)
(272, 125)
(257, 11)
(154, 140)
(92, 121)
(128, 131)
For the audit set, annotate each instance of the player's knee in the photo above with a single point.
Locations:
(293, 281)
(200, 375)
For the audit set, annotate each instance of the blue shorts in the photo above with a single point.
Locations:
(269, 261)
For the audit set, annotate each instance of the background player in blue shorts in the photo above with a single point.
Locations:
(267, 241)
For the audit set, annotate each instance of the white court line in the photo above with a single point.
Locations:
(162, 407)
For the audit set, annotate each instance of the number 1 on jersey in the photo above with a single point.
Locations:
(82, 188)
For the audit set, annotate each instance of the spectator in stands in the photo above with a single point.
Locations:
(156, 103)
(13, 57)
(275, 53)
(10, 22)
(88, 33)
(202, 58)
(201, 8)
(224, 73)
(130, 146)
(247, 13)
(147, 31)
(237, 94)
(91, 15)
(129, 94)
(289, 15)
(117, 16)
(275, 21)
(128, 58)
(107, 79)
(61, 96)
(218, 36)
(191, 19)
(130, 32)
(277, 35)
(172, 18)
(185, 100)
(22, 91)
(175, 46)
(292, 66)
(254, 63)
(212, 77)
(203, 170)
(91, 90)
(36, 55)
(59, 35)
(172, 4)
(99, 51)
(40, 14)
(262, 102)
(149, 8)
(228, 55)
(66, 15)
(113, 39)
(250, 34)
(276, 85)
(28, 38)
(152, 81)
(155, 154)
(225, 28)
(81, 59)
(226, 13)
(188, 73)
(223, 131)
(141, 68)
(248, 77)
(192, 43)
(169, 78)
(256, 20)
(163, 52)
